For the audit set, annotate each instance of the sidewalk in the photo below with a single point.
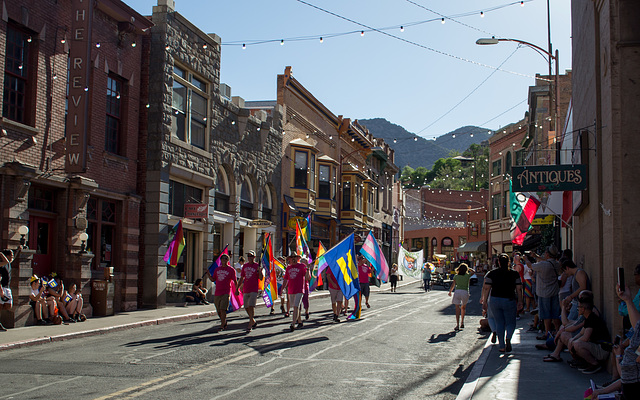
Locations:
(35, 335)
(523, 375)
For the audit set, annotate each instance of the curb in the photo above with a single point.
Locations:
(123, 327)
(469, 387)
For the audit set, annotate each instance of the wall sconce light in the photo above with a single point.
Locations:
(83, 202)
(83, 245)
(23, 231)
(22, 190)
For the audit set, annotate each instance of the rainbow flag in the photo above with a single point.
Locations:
(176, 246)
(235, 302)
(357, 308)
(217, 262)
(302, 247)
(306, 231)
(316, 277)
(270, 293)
(371, 251)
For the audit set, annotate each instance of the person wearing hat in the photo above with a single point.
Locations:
(295, 277)
(222, 276)
(37, 301)
(363, 276)
(250, 276)
(547, 271)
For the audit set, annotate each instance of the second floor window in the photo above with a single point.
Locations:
(324, 182)
(300, 174)
(113, 129)
(497, 168)
(16, 75)
(496, 206)
(189, 108)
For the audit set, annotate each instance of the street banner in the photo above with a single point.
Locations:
(410, 263)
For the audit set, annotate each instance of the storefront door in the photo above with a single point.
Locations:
(41, 240)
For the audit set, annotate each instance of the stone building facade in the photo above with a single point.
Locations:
(604, 137)
(203, 150)
(63, 177)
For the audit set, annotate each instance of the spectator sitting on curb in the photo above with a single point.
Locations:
(592, 344)
(197, 293)
(37, 301)
(57, 295)
(568, 330)
(74, 303)
(579, 283)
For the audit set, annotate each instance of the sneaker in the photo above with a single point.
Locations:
(40, 322)
(576, 364)
(306, 316)
(336, 319)
(494, 337)
(591, 369)
(456, 329)
(534, 311)
(507, 347)
(300, 325)
(292, 328)
(461, 326)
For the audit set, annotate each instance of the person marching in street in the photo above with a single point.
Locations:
(335, 294)
(461, 296)
(426, 276)
(305, 297)
(363, 276)
(6, 298)
(294, 280)
(222, 277)
(250, 277)
(393, 277)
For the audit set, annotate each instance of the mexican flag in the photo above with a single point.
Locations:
(523, 211)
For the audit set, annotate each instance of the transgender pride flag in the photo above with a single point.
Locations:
(371, 251)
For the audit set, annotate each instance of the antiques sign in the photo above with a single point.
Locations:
(549, 178)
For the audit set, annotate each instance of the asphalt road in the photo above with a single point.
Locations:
(404, 347)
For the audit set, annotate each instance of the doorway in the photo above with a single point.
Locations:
(41, 240)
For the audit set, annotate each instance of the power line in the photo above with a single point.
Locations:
(411, 42)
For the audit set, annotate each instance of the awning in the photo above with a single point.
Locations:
(290, 202)
(472, 247)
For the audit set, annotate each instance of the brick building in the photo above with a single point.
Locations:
(62, 177)
(202, 150)
(452, 223)
(604, 137)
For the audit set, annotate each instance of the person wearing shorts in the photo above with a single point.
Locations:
(363, 278)
(294, 279)
(250, 276)
(222, 277)
(461, 295)
(6, 298)
(335, 294)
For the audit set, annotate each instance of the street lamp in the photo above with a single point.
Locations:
(554, 94)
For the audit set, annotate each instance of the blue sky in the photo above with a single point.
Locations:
(415, 85)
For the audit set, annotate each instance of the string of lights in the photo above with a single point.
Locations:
(443, 207)
(470, 93)
(431, 49)
(444, 17)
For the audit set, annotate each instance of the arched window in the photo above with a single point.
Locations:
(508, 163)
(246, 199)
(267, 204)
(447, 247)
(222, 192)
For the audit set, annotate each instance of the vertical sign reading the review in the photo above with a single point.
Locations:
(79, 66)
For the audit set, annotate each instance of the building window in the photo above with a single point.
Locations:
(346, 195)
(41, 199)
(505, 204)
(113, 130)
(507, 163)
(520, 157)
(497, 168)
(190, 105)
(300, 174)
(496, 206)
(483, 227)
(222, 193)
(324, 181)
(358, 192)
(179, 194)
(370, 202)
(102, 218)
(267, 204)
(15, 101)
(246, 200)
